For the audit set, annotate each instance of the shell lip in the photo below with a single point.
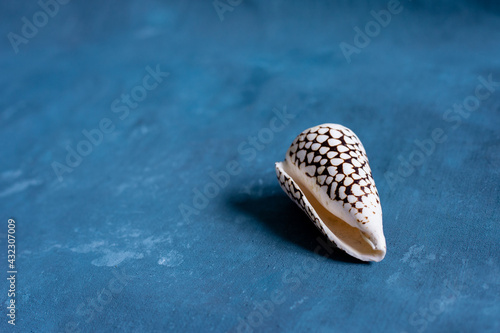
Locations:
(354, 242)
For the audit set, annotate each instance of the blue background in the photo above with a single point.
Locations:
(118, 213)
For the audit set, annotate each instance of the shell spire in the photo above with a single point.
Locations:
(326, 173)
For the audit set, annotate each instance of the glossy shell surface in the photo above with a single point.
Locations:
(326, 172)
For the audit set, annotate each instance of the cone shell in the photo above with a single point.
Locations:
(326, 173)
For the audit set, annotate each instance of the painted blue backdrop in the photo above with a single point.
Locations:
(137, 150)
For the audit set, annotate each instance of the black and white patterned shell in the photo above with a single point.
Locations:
(331, 162)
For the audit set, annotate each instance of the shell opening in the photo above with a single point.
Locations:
(350, 239)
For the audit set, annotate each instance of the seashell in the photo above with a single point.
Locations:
(326, 173)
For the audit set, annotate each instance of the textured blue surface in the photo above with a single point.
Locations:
(131, 209)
